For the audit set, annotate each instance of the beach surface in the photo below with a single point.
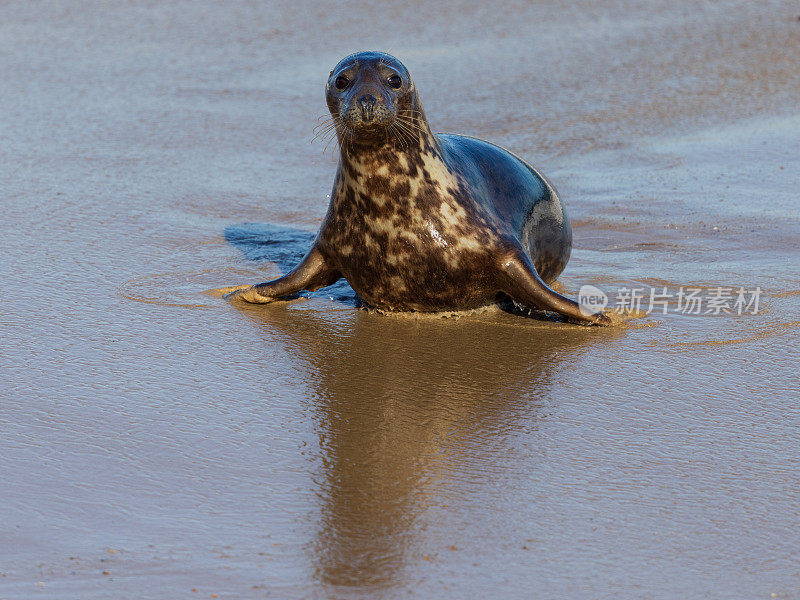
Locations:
(160, 443)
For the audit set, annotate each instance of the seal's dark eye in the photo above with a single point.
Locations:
(394, 81)
(341, 82)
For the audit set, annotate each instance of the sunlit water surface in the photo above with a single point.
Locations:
(160, 443)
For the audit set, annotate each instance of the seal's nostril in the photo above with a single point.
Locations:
(367, 104)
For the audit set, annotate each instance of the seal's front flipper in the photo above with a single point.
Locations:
(311, 274)
(523, 284)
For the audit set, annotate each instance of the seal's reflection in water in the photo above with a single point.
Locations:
(411, 413)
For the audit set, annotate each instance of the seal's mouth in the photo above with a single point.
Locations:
(367, 126)
(401, 129)
(367, 118)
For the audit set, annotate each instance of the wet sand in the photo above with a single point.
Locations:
(159, 443)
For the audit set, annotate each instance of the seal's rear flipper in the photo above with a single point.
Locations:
(311, 274)
(523, 284)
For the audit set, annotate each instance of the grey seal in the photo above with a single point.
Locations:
(428, 222)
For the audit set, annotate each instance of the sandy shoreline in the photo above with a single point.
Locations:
(156, 441)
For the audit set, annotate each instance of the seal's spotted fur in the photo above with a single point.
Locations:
(427, 222)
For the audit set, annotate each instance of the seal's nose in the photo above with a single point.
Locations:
(367, 104)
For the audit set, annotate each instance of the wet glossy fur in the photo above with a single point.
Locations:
(427, 222)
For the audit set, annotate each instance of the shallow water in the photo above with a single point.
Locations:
(156, 440)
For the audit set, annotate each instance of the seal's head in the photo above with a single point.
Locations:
(372, 98)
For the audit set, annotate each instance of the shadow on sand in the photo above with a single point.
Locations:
(285, 246)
